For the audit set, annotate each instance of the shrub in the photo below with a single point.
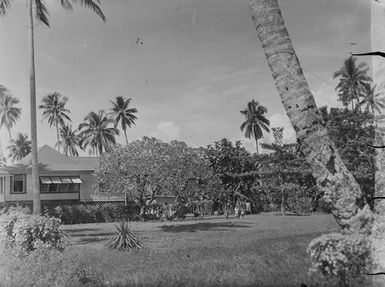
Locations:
(204, 207)
(324, 206)
(125, 239)
(338, 255)
(24, 233)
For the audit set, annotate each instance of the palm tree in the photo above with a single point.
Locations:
(9, 114)
(94, 132)
(55, 112)
(255, 121)
(69, 141)
(20, 147)
(37, 8)
(352, 80)
(327, 166)
(372, 99)
(123, 114)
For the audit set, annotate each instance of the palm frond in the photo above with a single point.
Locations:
(93, 5)
(41, 12)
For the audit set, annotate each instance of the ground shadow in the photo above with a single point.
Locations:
(203, 226)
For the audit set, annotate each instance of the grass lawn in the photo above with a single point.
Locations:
(257, 250)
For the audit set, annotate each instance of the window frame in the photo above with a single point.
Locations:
(72, 187)
(12, 184)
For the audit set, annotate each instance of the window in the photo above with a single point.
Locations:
(60, 184)
(18, 183)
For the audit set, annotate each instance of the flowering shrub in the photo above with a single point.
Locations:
(24, 232)
(339, 255)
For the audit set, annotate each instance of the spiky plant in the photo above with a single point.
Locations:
(124, 239)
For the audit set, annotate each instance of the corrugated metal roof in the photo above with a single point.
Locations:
(51, 160)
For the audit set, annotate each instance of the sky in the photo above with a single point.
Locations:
(196, 65)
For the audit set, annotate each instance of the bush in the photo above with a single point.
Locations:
(46, 267)
(204, 207)
(324, 206)
(24, 233)
(338, 255)
(125, 239)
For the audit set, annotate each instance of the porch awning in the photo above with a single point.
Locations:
(76, 180)
(66, 180)
(55, 180)
(45, 180)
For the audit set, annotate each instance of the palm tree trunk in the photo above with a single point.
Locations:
(35, 170)
(57, 137)
(10, 141)
(378, 237)
(339, 185)
(1, 155)
(256, 144)
(125, 134)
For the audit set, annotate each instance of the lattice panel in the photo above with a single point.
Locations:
(278, 135)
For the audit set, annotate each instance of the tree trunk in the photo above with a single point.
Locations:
(10, 141)
(57, 137)
(125, 135)
(378, 65)
(339, 185)
(2, 163)
(35, 170)
(256, 144)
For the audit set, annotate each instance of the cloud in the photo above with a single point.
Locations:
(166, 131)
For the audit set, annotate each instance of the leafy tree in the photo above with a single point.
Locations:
(236, 169)
(96, 133)
(149, 167)
(20, 147)
(69, 141)
(55, 112)
(37, 9)
(352, 81)
(123, 114)
(284, 172)
(255, 121)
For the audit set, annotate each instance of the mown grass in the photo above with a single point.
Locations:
(258, 250)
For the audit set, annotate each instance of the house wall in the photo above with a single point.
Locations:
(5, 183)
(86, 188)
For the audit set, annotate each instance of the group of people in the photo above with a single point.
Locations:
(241, 209)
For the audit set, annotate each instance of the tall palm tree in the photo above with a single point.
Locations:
(255, 121)
(372, 99)
(69, 141)
(20, 147)
(94, 132)
(37, 8)
(55, 112)
(123, 114)
(352, 80)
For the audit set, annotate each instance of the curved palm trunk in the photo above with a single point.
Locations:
(256, 144)
(332, 176)
(35, 170)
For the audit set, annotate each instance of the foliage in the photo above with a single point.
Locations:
(24, 232)
(123, 114)
(149, 167)
(236, 169)
(69, 140)
(20, 148)
(286, 178)
(352, 132)
(96, 133)
(352, 81)
(340, 255)
(255, 121)
(202, 207)
(85, 213)
(46, 267)
(125, 239)
(9, 113)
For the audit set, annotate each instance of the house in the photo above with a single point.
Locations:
(62, 179)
